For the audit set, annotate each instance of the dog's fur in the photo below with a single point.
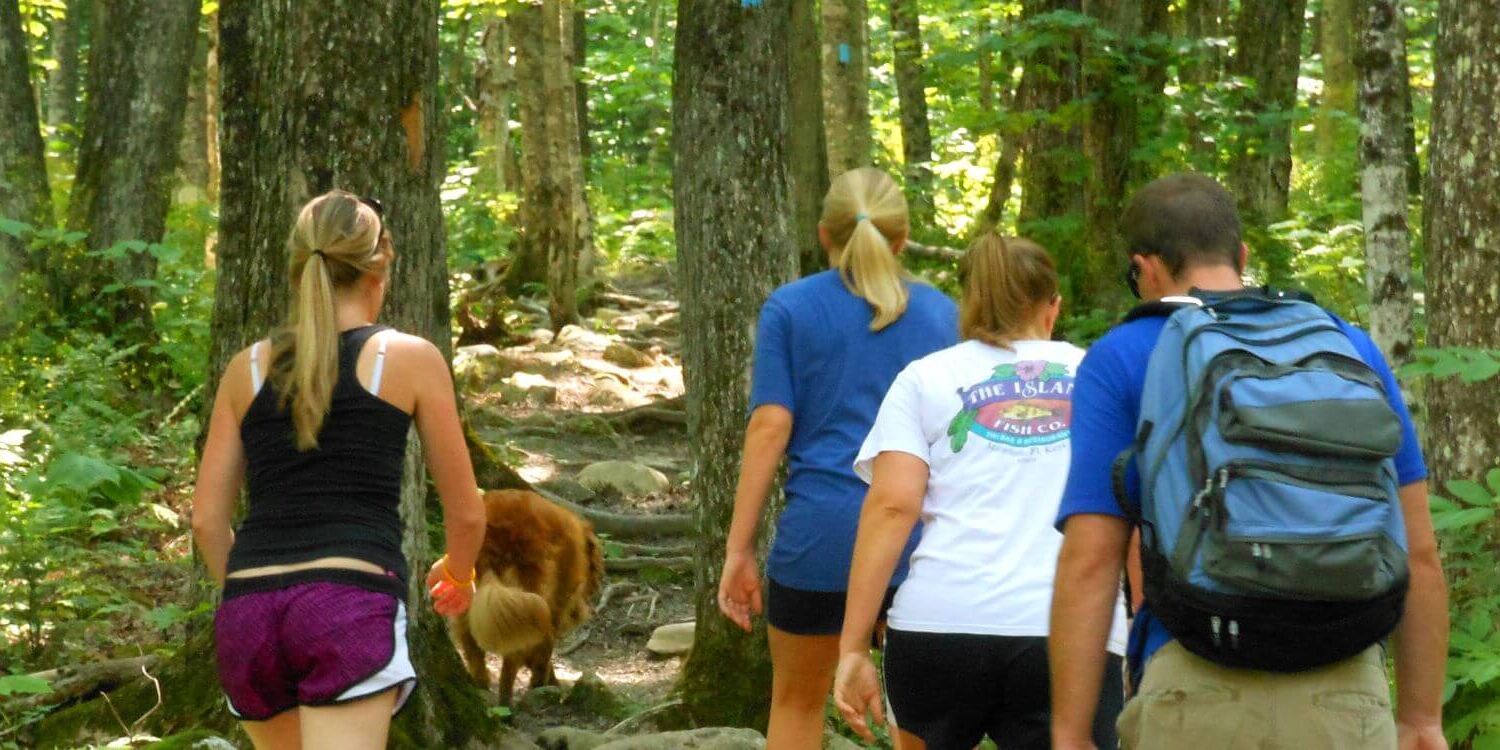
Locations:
(539, 570)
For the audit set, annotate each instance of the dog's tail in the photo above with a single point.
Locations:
(506, 620)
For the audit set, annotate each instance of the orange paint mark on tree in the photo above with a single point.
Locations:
(414, 121)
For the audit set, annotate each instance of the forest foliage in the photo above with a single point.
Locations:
(98, 429)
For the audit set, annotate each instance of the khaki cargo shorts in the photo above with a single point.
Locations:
(1186, 702)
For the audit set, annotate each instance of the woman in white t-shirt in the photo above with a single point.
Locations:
(972, 440)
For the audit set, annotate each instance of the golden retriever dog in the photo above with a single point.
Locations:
(538, 571)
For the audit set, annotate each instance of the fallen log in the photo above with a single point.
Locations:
(672, 411)
(82, 680)
(631, 564)
(626, 549)
(627, 525)
(933, 252)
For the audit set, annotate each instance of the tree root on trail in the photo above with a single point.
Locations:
(82, 680)
(672, 412)
(628, 564)
(625, 549)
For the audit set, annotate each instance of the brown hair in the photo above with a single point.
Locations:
(337, 240)
(1005, 280)
(1186, 220)
(864, 215)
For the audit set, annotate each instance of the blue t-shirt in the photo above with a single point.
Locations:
(816, 355)
(1106, 407)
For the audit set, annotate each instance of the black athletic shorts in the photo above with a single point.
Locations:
(952, 689)
(801, 612)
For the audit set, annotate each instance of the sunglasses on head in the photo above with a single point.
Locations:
(375, 205)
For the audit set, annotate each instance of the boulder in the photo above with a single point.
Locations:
(482, 363)
(671, 640)
(538, 699)
(709, 738)
(627, 356)
(589, 695)
(569, 738)
(578, 337)
(540, 335)
(568, 489)
(625, 477)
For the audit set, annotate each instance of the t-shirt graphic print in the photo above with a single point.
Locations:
(994, 427)
(1019, 405)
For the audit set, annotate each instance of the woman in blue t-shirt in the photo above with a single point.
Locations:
(827, 348)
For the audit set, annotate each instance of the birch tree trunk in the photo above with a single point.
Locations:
(554, 212)
(496, 86)
(1268, 51)
(127, 160)
(1463, 242)
(732, 192)
(1384, 179)
(24, 195)
(911, 89)
(807, 143)
(846, 84)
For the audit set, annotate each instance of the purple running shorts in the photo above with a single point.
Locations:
(309, 642)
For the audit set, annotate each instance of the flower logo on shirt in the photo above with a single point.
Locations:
(1021, 404)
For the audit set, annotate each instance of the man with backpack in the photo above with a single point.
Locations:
(1262, 448)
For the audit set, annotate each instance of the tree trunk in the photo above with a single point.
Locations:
(211, 110)
(554, 213)
(24, 195)
(137, 93)
(846, 84)
(302, 71)
(581, 92)
(62, 82)
(1111, 129)
(807, 144)
(1336, 123)
(1463, 251)
(911, 89)
(731, 185)
(1052, 152)
(496, 84)
(192, 153)
(1203, 21)
(1384, 183)
(1268, 50)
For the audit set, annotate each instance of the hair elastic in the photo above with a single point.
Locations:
(861, 216)
(320, 254)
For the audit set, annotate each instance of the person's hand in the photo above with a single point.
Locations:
(1427, 736)
(448, 599)
(856, 691)
(739, 589)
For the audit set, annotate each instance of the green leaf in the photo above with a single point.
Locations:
(80, 472)
(1493, 480)
(17, 229)
(1472, 493)
(1462, 519)
(165, 617)
(18, 684)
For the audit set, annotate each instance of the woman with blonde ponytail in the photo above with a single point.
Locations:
(827, 347)
(974, 440)
(311, 635)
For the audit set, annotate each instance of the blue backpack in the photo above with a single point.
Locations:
(1271, 531)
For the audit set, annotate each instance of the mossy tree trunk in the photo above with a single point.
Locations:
(916, 131)
(24, 195)
(1268, 52)
(1337, 120)
(732, 190)
(496, 78)
(63, 80)
(1463, 237)
(846, 84)
(140, 56)
(807, 142)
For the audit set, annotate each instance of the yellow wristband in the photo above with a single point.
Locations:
(448, 575)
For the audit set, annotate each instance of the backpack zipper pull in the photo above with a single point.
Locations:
(1234, 634)
(1215, 623)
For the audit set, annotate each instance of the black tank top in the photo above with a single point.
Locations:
(341, 499)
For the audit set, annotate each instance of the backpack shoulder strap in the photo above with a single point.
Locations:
(1161, 308)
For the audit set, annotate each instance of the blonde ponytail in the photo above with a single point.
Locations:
(865, 217)
(337, 240)
(1006, 280)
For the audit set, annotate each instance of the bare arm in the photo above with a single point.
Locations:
(1422, 636)
(1083, 602)
(898, 485)
(766, 438)
(436, 415)
(221, 472)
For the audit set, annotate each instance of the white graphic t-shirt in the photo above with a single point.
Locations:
(993, 427)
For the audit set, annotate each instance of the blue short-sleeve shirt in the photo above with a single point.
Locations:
(816, 355)
(1106, 407)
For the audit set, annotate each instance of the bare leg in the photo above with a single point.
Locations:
(539, 661)
(802, 669)
(281, 732)
(509, 666)
(357, 725)
(474, 657)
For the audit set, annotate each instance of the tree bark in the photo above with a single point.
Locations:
(554, 212)
(496, 86)
(1204, 21)
(1268, 50)
(1463, 249)
(1384, 180)
(807, 143)
(1119, 97)
(192, 153)
(306, 111)
(62, 82)
(137, 93)
(581, 92)
(911, 90)
(732, 193)
(24, 195)
(211, 110)
(846, 84)
(1336, 122)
